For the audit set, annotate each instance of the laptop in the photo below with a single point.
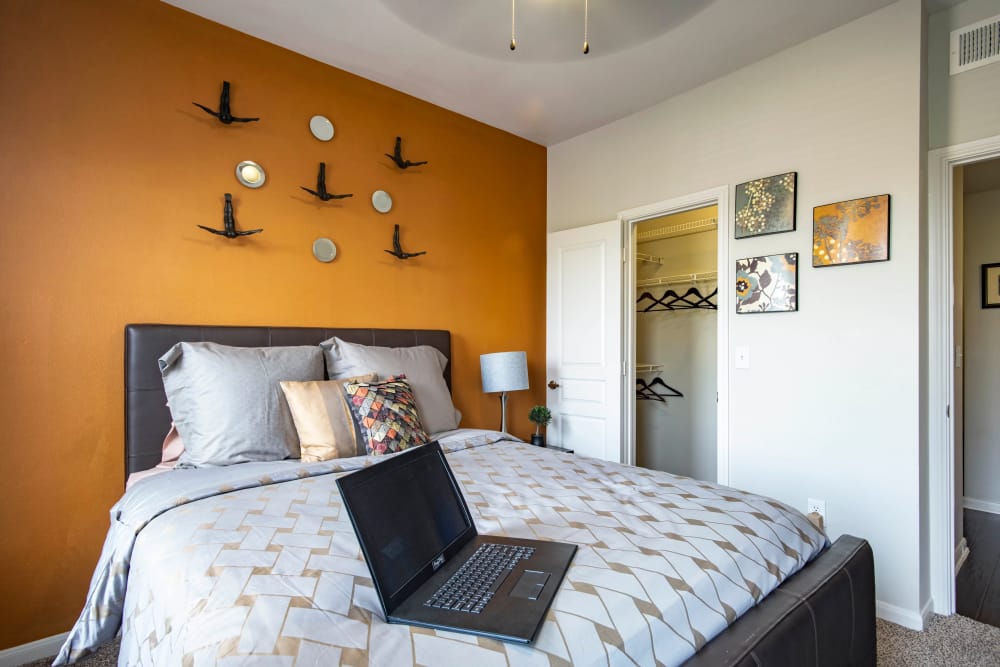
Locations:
(429, 564)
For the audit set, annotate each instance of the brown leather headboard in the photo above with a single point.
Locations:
(147, 418)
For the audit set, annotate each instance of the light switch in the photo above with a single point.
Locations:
(742, 356)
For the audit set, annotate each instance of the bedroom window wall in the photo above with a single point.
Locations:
(676, 344)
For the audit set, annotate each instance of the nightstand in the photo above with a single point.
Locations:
(559, 449)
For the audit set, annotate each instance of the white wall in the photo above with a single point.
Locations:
(830, 407)
(982, 351)
(961, 107)
(679, 435)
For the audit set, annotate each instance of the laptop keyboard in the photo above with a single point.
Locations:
(474, 584)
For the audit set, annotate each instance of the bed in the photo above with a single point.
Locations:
(256, 564)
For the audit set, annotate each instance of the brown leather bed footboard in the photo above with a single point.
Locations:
(822, 615)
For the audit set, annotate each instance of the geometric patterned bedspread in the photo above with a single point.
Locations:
(260, 566)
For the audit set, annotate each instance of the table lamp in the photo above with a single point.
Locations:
(503, 372)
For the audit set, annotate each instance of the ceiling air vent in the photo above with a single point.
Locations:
(975, 45)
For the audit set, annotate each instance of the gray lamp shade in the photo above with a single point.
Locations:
(504, 371)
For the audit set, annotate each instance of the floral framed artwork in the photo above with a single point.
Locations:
(768, 284)
(851, 232)
(766, 206)
(991, 285)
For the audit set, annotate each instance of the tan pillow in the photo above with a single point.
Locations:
(322, 418)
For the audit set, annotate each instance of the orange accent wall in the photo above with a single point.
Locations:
(106, 168)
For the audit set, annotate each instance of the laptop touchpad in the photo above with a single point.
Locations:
(530, 585)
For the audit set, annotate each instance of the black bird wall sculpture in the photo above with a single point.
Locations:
(397, 156)
(320, 191)
(397, 250)
(229, 223)
(224, 114)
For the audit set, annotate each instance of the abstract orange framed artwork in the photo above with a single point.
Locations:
(851, 232)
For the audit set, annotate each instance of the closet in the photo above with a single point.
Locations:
(675, 346)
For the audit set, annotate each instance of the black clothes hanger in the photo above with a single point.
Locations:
(671, 300)
(658, 382)
(646, 391)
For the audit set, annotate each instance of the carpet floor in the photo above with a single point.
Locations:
(948, 641)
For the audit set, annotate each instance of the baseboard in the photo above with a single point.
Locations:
(908, 618)
(36, 650)
(961, 554)
(981, 505)
(926, 612)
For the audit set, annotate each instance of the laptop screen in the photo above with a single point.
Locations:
(407, 511)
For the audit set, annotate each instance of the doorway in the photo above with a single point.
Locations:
(944, 464)
(977, 424)
(676, 266)
(631, 219)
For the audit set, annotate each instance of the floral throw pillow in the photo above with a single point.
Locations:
(386, 414)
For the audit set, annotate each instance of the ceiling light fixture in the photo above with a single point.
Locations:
(586, 25)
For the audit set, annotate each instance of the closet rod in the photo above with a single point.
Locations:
(681, 278)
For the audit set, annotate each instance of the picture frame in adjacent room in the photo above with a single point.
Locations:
(768, 284)
(766, 206)
(855, 231)
(991, 285)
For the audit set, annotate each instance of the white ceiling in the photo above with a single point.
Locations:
(455, 53)
(982, 176)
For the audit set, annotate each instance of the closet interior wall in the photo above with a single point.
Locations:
(677, 435)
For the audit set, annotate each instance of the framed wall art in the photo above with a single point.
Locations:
(768, 284)
(851, 232)
(766, 206)
(991, 285)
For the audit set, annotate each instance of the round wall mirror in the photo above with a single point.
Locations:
(250, 174)
(381, 201)
(324, 250)
(321, 128)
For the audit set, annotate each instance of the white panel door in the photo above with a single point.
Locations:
(584, 339)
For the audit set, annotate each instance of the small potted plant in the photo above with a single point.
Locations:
(542, 417)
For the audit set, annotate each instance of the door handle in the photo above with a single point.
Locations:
(553, 384)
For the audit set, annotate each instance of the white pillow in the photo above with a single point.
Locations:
(422, 365)
(227, 402)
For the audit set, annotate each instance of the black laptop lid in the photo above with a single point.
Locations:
(410, 518)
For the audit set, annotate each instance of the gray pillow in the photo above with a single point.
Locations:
(227, 401)
(423, 366)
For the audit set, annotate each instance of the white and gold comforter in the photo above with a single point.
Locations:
(258, 564)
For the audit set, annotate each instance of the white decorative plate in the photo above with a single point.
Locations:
(324, 250)
(381, 201)
(250, 174)
(321, 128)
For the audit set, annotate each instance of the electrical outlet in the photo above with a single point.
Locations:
(818, 506)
